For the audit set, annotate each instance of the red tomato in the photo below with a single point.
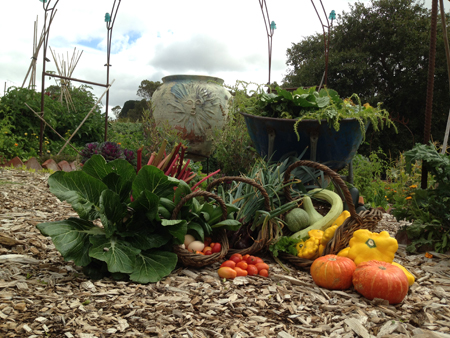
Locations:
(207, 248)
(264, 273)
(236, 257)
(252, 270)
(227, 272)
(262, 266)
(212, 244)
(199, 252)
(208, 252)
(230, 264)
(217, 247)
(240, 272)
(251, 260)
(242, 265)
(245, 257)
(259, 260)
(208, 241)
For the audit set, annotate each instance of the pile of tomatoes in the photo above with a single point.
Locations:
(246, 265)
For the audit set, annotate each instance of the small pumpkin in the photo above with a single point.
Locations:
(377, 279)
(333, 272)
(297, 219)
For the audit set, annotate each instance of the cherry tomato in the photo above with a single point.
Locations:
(212, 244)
(262, 266)
(228, 263)
(242, 265)
(236, 257)
(251, 260)
(207, 248)
(227, 272)
(240, 272)
(264, 273)
(252, 270)
(199, 252)
(217, 247)
(208, 252)
(245, 257)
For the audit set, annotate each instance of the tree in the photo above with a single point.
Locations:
(147, 88)
(116, 111)
(133, 109)
(381, 53)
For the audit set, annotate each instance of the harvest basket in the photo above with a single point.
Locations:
(266, 232)
(367, 219)
(196, 260)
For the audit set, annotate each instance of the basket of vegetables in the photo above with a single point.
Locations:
(249, 238)
(310, 234)
(206, 223)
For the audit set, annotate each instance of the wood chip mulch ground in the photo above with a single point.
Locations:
(41, 295)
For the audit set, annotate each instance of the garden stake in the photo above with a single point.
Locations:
(84, 120)
(447, 54)
(37, 114)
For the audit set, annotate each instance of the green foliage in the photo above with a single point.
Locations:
(147, 88)
(135, 238)
(20, 127)
(380, 51)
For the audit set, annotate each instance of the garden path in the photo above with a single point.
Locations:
(41, 294)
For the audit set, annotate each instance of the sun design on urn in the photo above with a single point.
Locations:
(196, 106)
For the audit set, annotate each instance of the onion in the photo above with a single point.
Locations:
(196, 246)
(188, 239)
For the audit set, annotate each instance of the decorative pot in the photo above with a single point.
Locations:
(194, 105)
(275, 137)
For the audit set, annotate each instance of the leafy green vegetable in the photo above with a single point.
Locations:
(284, 244)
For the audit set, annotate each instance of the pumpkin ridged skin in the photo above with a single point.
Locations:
(297, 219)
(333, 272)
(377, 279)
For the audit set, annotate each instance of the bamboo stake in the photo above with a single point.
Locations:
(84, 120)
(38, 115)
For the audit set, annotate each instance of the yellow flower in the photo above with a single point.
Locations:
(409, 197)
(48, 151)
(37, 136)
(367, 106)
(414, 186)
(428, 255)
(15, 144)
(26, 134)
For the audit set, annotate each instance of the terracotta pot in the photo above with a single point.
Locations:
(195, 105)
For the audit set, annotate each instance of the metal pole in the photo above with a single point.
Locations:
(447, 54)
(109, 29)
(269, 31)
(47, 33)
(430, 87)
(325, 40)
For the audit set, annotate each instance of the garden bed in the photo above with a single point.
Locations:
(39, 292)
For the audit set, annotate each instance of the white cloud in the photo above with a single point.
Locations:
(153, 39)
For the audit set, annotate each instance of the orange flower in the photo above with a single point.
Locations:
(428, 255)
(119, 143)
(409, 197)
(15, 144)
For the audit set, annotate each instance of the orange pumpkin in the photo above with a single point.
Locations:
(333, 272)
(376, 279)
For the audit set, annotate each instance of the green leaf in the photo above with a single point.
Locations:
(148, 240)
(153, 179)
(193, 226)
(182, 190)
(118, 254)
(119, 185)
(71, 238)
(112, 211)
(146, 202)
(96, 167)
(80, 190)
(228, 224)
(152, 266)
(177, 228)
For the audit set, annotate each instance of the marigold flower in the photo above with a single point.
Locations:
(48, 151)
(409, 197)
(414, 186)
(15, 144)
(26, 134)
(428, 255)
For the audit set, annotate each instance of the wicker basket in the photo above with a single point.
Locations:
(196, 260)
(364, 220)
(266, 233)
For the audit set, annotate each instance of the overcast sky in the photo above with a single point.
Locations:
(153, 39)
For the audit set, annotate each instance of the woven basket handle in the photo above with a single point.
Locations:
(337, 181)
(244, 180)
(204, 194)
